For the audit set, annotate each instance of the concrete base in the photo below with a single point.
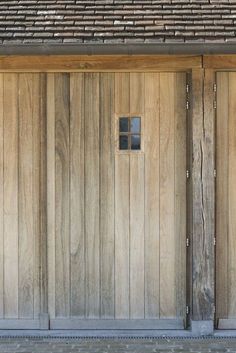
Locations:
(202, 328)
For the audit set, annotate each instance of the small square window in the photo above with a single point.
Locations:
(130, 133)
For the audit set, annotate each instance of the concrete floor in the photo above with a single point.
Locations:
(124, 345)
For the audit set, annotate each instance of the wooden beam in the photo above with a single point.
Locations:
(220, 62)
(95, 63)
(203, 190)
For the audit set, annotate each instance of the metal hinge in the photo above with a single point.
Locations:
(187, 174)
(187, 242)
(214, 241)
(187, 98)
(214, 90)
(215, 174)
(187, 309)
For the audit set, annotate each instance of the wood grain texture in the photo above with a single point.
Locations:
(42, 202)
(107, 194)
(224, 62)
(77, 211)
(152, 202)
(180, 192)
(203, 197)
(11, 251)
(137, 185)
(92, 195)
(231, 198)
(1, 198)
(51, 174)
(98, 63)
(222, 191)
(62, 189)
(167, 196)
(27, 231)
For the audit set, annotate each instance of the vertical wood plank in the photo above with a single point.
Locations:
(107, 201)
(26, 196)
(62, 138)
(222, 194)
(11, 195)
(41, 116)
(77, 247)
(1, 201)
(137, 167)
(92, 195)
(167, 192)
(137, 236)
(180, 192)
(51, 174)
(232, 198)
(122, 93)
(152, 210)
(203, 195)
(122, 211)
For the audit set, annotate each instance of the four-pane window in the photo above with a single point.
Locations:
(130, 133)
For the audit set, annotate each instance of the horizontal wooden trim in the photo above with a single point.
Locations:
(227, 324)
(23, 324)
(98, 63)
(77, 324)
(223, 62)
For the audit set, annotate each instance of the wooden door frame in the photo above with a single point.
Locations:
(201, 263)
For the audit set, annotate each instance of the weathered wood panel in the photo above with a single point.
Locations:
(107, 195)
(21, 220)
(117, 267)
(1, 198)
(152, 199)
(203, 196)
(11, 271)
(122, 210)
(77, 212)
(92, 234)
(99, 63)
(167, 196)
(222, 207)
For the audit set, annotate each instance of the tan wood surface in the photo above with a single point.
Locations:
(20, 197)
(222, 154)
(226, 200)
(77, 231)
(98, 63)
(131, 251)
(203, 196)
(219, 62)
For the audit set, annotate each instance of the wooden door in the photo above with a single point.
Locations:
(226, 201)
(22, 211)
(116, 219)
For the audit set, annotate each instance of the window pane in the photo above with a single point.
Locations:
(124, 142)
(124, 124)
(135, 142)
(135, 125)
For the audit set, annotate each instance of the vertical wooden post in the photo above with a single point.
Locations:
(203, 199)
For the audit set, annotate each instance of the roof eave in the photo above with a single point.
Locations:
(119, 49)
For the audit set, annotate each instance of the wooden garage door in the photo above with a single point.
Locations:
(226, 201)
(22, 119)
(116, 219)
